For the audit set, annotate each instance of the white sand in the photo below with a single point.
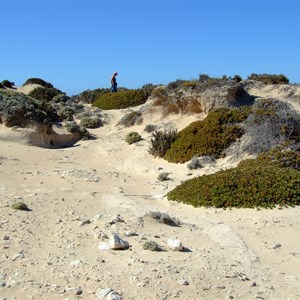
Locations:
(47, 253)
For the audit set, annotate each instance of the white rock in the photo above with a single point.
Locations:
(115, 243)
(76, 263)
(175, 245)
(108, 294)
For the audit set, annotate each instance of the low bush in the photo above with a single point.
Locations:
(251, 184)
(121, 99)
(20, 206)
(163, 176)
(271, 123)
(1, 86)
(7, 84)
(189, 84)
(133, 137)
(46, 94)
(269, 78)
(91, 122)
(38, 81)
(132, 118)
(76, 129)
(89, 96)
(150, 128)
(151, 245)
(285, 156)
(161, 142)
(208, 137)
(163, 218)
(194, 163)
(17, 109)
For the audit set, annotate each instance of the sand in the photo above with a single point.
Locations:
(78, 195)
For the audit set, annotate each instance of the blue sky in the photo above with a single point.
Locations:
(77, 44)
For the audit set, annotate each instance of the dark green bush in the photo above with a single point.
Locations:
(20, 206)
(190, 84)
(281, 156)
(251, 184)
(161, 142)
(208, 137)
(7, 84)
(1, 86)
(133, 137)
(46, 94)
(121, 99)
(237, 78)
(91, 122)
(269, 78)
(89, 96)
(38, 81)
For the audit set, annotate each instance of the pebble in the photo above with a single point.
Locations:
(277, 245)
(183, 281)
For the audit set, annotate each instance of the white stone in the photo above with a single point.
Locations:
(175, 245)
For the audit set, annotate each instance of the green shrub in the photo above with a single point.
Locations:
(208, 137)
(161, 142)
(17, 109)
(150, 128)
(269, 78)
(194, 163)
(151, 245)
(189, 84)
(249, 185)
(7, 84)
(38, 81)
(133, 137)
(175, 85)
(163, 218)
(237, 78)
(91, 122)
(131, 119)
(281, 156)
(60, 98)
(46, 94)
(121, 99)
(89, 96)
(76, 129)
(1, 86)
(20, 206)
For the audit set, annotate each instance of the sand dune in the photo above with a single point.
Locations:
(81, 194)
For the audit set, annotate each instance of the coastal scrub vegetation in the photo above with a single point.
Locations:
(20, 110)
(133, 137)
(121, 99)
(45, 93)
(271, 123)
(269, 78)
(161, 141)
(38, 81)
(210, 136)
(251, 184)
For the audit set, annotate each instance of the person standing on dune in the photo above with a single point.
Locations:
(113, 82)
